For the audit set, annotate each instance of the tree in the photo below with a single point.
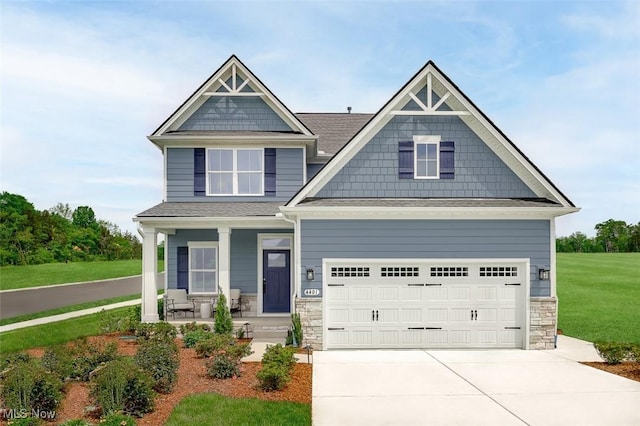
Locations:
(613, 235)
(223, 324)
(16, 228)
(62, 210)
(84, 217)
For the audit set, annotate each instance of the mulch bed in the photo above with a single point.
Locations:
(630, 370)
(192, 379)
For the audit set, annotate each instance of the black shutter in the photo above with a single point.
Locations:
(447, 166)
(405, 159)
(199, 173)
(183, 268)
(270, 172)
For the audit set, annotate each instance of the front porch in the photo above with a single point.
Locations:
(273, 329)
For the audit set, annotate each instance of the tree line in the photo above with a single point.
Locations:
(60, 234)
(612, 236)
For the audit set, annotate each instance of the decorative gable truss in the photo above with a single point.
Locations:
(232, 80)
(431, 93)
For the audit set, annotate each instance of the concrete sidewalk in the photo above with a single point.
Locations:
(479, 387)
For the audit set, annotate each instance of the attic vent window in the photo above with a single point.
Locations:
(449, 271)
(399, 271)
(350, 271)
(498, 271)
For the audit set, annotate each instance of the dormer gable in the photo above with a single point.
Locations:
(232, 99)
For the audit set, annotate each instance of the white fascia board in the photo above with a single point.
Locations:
(466, 213)
(172, 223)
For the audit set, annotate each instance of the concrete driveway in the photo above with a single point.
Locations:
(479, 387)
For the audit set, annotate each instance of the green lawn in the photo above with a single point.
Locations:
(599, 296)
(13, 277)
(54, 333)
(209, 409)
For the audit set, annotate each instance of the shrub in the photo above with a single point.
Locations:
(613, 352)
(118, 419)
(193, 326)
(212, 344)
(161, 309)
(88, 356)
(122, 386)
(14, 359)
(240, 333)
(28, 386)
(223, 366)
(273, 377)
(159, 358)
(297, 329)
(59, 361)
(26, 421)
(635, 352)
(280, 355)
(277, 362)
(223, 324)
(158, 331)
(226, 356)
(192, 337)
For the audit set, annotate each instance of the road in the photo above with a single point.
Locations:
(20, 302)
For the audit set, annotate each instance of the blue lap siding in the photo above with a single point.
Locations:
(426, 239)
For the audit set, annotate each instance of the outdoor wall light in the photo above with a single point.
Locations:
(543, 274)
(311, 275)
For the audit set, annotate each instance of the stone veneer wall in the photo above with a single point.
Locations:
(310, 311)
(542, 331)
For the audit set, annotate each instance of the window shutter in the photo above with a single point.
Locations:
(447, 166)
(183, 268)
(199, 173)
(270, 172)
(405, 159)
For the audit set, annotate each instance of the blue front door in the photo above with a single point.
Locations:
(276, 288)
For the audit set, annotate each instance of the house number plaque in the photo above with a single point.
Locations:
(311, 292)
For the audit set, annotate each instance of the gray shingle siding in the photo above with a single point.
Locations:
(235, 113)
(312, 169)
(427, 239)
(373, 172)
(244, 254)
(289, 176)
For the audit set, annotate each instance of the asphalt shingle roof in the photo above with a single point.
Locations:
(213, 209)
(334, 130)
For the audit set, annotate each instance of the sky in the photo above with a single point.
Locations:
(83, 83)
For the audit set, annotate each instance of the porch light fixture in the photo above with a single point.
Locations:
(543, 274)
(311, 275)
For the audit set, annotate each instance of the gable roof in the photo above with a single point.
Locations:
(459, 104)
(213, 85)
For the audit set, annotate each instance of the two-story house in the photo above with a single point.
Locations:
(419, 226)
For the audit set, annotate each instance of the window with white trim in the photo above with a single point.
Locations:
(426, 157)
(235, 171)
(203, 268)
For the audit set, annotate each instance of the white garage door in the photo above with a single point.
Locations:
(424, 304)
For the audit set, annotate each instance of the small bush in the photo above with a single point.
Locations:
(28, 386)
(157, 331)
(240, 333)
(223, 366)
(118, 419)
(273, 377)
(26, 421)
(192, 337)
(122, 386)
(280, 355)
(222, 323)
(88, 356)
(613, 352)
(76, 422)
(14, 359)
(193, 326)
(59, 361)
(159, 358)
(214, 343)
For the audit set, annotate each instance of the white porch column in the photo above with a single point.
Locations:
(224, 262)
(149, 274)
